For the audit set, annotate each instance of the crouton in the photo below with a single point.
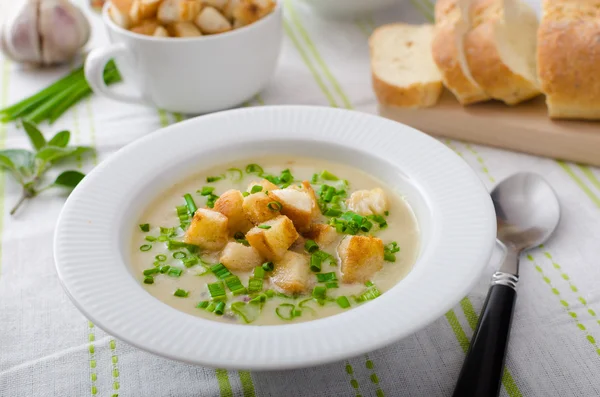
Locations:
(361, 258)
(208, 230)
(147, 27)
(298, 245)
(273, 238)
(230, 204)
(296, 205)
(161, 32)
(291, 273)
(211, 21)
(238, 257)
(171, 11)
(143, 9)
(183, 29)
(321, 234)
(256, 208)
(123, 6)
(368, 202)
(119, 16)
(250, 11)
(307, 187)
(266, 185)
(230, 7)
(218, 4)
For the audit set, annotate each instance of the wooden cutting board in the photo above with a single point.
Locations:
(524, 128)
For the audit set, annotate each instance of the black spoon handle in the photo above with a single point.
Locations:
(483, 367)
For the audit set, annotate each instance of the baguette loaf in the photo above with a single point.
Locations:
(569, 58)
(451, 24)
(500, 49)
(402, 67)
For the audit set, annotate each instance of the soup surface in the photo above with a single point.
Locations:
(274, 241)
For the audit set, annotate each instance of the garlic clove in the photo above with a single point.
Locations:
(19, 36)
(63, 29)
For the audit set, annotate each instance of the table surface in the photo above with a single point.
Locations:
(47, 348)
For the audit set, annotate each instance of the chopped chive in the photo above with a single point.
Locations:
(286, 177)
(160, 257)
(285, 311)
(389, 251)
(332, 212)
(162, 238)
(145, 247)
(182, 210)
(247, 311)
(203, 304)
(245, 194)
(191, 205)
(256, 189)
(173, 245)
(255, 284)
(370, 294)
(150, 238)
(242, 241)
(167, 231)
(325, 277)
(343, 302)
(328, 176)
(181, 293)
(315, 263)
(235, 174)
(268, 266)
(332, 284)
(235, 285)
(274, 206)
(270, 293)
(389, 257)
(149, 272)
(190, 261)
(219, 309)
(310, 246)
(273, 179)
(175, 272)
(211, 307)
(212, 199)
(145, 227)
(366, 226)
(369, 283)
(260, 298)
(179, 255)
(254, 169)
(387, 213)
(148, 280)
(164, 269)
(296, 313)
(217, 290)
(259, 272)
(220, 271)
(239, 236)
(319, 292)
(266, 227)
(213, 179)
(315, 178)
(206, 190)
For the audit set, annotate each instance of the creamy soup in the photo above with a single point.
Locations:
(274, 241)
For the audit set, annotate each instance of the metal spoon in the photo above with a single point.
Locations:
(527, 211)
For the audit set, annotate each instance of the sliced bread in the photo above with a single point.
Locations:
(500, 49)
(568, 58)
(402, 67)
(451, 25)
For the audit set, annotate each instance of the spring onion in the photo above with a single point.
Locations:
(173, 245)
(296, 313)
(150, 238)
(148, 280)
(265, 227)
(274, 206)
(259, 272)
(268, 266)
(220, 271)
(333, 212)
(145, 247)
(219, 309)
(370, 293)
(235, 174)
(217, 291)
(145, 227)
(164, 269)
(162, 238)
(160, 257)
(235, 285)
(315, 263)
(285, 311)
(254, 169)
(256, 189)
(332, 284)
(203, 304)
(387, 213)
(179, 255)
(310, 246)
(255, 285)
(319, 292)
(149, 272)
(167, 231)
(325, 277)
(389, 250)
(245, 194)
(190, 261)
(328, 176)
(247, 311)
(270, 293)
(211, 179)
(260, 298)
(181, 293)
(286, 177)
(206, 190)
(211, 307)
(175, 272)
(303, 305)
(191, 205)
(343, 302)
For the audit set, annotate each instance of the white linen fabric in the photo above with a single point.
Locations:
(47, 348)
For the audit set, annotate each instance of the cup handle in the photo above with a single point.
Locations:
(94, 73)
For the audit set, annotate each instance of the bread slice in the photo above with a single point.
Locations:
(402, 67)
(500, 49)
(568, 58)
(451, 25)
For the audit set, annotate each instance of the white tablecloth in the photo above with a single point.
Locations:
(47, 348)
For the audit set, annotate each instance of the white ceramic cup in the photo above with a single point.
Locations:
(189, 75)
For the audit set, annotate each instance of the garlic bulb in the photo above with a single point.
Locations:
(44, 32)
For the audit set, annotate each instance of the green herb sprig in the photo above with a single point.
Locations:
(28, 168)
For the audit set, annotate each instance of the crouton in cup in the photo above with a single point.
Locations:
(191, 75)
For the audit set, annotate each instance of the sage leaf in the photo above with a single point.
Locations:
(69, 179)
(61, 139)
(35, 136)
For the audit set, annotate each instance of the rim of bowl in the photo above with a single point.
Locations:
(277, 11)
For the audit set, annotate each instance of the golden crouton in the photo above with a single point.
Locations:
(183, 29)
(238, 257)
(296, 205)
(161, 32)
(306, 186)
(230, 7)
(368, 202)
(147, 27)
(291, 273)
(266, 185)
(250, 11)
(230, 204)
(361, 257)
(143, 9)
(208, 230)
(211, 21)
(298, 245)
(171, 11)
(218, 4)
(119, 13)
(257, 210)
(272, 239)
(321, 234)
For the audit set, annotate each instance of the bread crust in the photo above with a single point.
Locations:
(569, 59)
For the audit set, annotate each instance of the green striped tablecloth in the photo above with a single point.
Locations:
(47, 348)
